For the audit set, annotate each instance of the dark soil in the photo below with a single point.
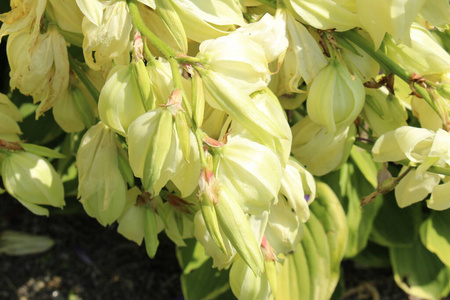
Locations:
(87, 261)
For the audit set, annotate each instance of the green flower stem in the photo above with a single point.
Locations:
(78, 67)
(388, 64)
(379, 56)
(363, 145)
(189, 59)
(439, 170)
(199, 137)
(149, 56)
(169, 53)
(432, 169)
(139, 24)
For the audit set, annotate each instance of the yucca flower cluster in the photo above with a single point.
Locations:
(210, 119)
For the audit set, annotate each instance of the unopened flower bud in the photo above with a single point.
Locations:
(33, 181)
(236, 228)
(222, 258)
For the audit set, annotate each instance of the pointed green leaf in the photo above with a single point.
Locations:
(395, 226)
(419, 272)
(41, 151)
(350, 184)
(197, 268)
(435, 234)
(363, 160)
(314, 265)
(330, 213)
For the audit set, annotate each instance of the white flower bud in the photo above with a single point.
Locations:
(39, 66)
(33, 181)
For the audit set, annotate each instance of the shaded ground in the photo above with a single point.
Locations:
(87, 261)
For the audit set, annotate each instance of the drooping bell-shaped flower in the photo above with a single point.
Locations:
(269, 105)
(24, 14)
(251, 171)
(10, 115)
(303, 59)
(149, 142)
(424, 55)
(388, 16)
(33, 181)
(208, 20)
(75, 110)
(405, 142)
(440, 199)
(319, 150)
(244, 283)
(335, 97)
(412, 189)
(139, 221)
(436, 12)
(383, 111)
(39, 66)
(284, 229)
(69, 18)
(238, 105)
(269, 33)
(102, 189)
(106, 34)
(238, 59)
(122, 99)
(327, 14)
